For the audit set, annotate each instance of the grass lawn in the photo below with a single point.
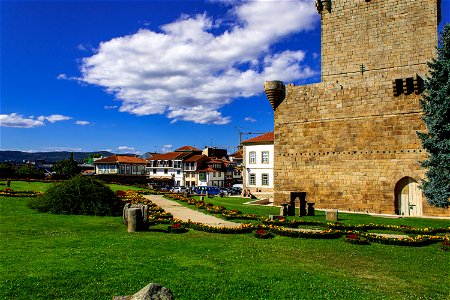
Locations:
(45, 256)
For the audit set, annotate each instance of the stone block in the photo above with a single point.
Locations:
(332, 215)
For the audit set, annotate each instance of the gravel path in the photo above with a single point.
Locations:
(185, 214)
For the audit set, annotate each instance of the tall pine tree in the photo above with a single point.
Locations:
(436, 141)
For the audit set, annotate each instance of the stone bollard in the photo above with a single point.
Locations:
(284, 210)
(331, 214)
(311, 209)
(202, 198)
(153, 291)
(134, 219)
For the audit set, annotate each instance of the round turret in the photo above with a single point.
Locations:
(275, 92)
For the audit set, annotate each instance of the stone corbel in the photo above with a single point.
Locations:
(323, 4)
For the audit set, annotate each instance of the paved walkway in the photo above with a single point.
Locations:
(185, 214)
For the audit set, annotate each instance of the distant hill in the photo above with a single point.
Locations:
(49, 157)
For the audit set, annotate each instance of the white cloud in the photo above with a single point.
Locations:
(82, 122)
(62, 76)
(188, 73)
(110, 106)
(54, 118)
(249, 119)
(18, 121)
(166, 148)
(125, 148)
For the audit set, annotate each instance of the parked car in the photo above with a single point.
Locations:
(226, 191)
(212, 190)
(179, 189)
(236, 190)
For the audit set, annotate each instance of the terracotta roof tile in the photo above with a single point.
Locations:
(196, 158)
(121, 159)
(264, 139)
(169, 156)
(237, 154)
(188, 148)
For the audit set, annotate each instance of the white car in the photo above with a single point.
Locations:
(179, 189)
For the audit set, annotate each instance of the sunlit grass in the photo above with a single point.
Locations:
(45, 256)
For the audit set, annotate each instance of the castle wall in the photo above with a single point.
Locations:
(348, 140)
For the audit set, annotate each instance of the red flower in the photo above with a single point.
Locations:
(352, 236)
(176, 225)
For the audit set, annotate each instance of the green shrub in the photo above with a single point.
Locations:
(81, 195)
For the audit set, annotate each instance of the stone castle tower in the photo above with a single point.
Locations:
(350, 141)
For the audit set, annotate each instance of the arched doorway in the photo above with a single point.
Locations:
(408, 197)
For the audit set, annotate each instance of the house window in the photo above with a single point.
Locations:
(252, 179)
(177, 164)
(134, 169)
(154, 171)
(166, 171)
(264, 179)
(214, 174)
(220, 174)
(178, 172)
(252, 157)
(265, 157)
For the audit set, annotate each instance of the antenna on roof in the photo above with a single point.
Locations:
(246, 133)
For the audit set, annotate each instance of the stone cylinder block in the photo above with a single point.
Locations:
(275, 92)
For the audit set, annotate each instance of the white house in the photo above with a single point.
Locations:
(167, 167)
(258, 161)
(120, 165)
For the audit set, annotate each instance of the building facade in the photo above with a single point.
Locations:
(350, 141)
(258, 155)
(120, 165)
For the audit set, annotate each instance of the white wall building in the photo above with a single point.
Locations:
(258, 163)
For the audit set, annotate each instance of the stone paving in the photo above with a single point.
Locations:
(185, 214)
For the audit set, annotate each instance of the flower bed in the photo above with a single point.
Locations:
(244, 228)
(357, 239)
(324, 234)
(417, 241)
(263, 234)
(177, 228)
(351, 233)
(9, 192)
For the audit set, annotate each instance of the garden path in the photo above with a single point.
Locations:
(185, 214)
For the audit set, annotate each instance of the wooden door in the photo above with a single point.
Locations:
(409, 197)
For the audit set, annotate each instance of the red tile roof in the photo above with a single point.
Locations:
(261, 139)
(169, 156)
(188, 148)
(195, 158)
(237, 154)
(121, 159)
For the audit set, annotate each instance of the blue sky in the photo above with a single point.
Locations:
(138, 76)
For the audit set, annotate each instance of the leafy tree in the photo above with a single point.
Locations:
(6, 169)
(436, 107)
(29, 170)
(67, 167)
(90, 158)
(80, 195)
